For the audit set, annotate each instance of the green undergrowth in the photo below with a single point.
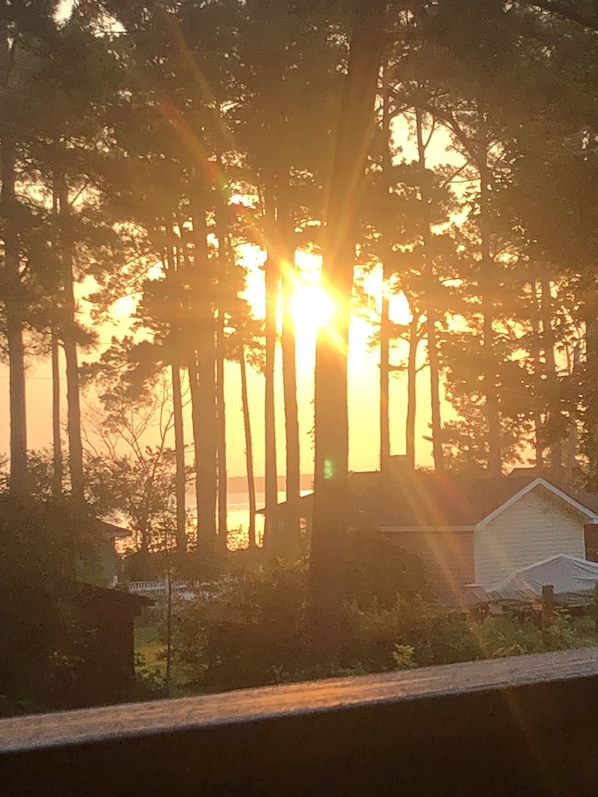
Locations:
(254, 634)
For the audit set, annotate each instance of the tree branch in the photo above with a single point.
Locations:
(565, 13)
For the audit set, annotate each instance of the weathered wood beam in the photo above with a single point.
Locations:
(524, 725)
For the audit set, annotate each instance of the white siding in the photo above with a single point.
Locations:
(537, 526)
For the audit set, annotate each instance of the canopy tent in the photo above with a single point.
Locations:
(573, 581)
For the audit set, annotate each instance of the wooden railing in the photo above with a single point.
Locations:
(521, 726)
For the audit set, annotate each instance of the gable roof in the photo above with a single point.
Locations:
(109, 530)
(420, 500)
(112, 600)
(567, 499)
(427, 500)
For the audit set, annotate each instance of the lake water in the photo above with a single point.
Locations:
(238, 519)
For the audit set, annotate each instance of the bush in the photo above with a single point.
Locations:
(403, 656)
(377, 571)
(255, 633)
(249, 635)
(437, 636)
(149, 681)
(592, 609)
(505, 635)
(42, 542)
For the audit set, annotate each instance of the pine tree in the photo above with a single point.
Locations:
(355, 128)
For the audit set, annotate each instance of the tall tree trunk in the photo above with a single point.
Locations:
(591, 377)
(221, 411)
(572, 449)
(556, 444)
(272, 277)
(173, 265)
(411, 393)
(204, 443)
(223, 276)
(384, 374)
(18, 415)
(221, 205)
(355, 127)
(430, 283)
(248, 449)
(13, 304)
(535, 351)
(57, 463)
(487, 283)
(385, 298)
(290, 544)
(179, 450)
(56, 431)
(202, 380)
(69, 343)
(587, 374)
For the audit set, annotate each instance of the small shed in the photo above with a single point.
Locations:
(106, 671)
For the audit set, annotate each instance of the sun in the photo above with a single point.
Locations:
(312, 307)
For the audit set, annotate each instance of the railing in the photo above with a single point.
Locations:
(521, 726)
(184, 589)
(146, 586)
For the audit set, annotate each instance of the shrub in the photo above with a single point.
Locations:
(45, 549)
(505, 635)
(437, 636)
(403, 656)
(247, 636)
(254, 634)
(377, 571)
(592, 609)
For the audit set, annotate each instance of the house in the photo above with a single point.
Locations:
(478, 531)
(109, 559)
(472, 530)
(100, 562)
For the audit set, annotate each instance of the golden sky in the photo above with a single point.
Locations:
(310, 309)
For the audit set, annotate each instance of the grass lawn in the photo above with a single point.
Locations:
(150, 666)
(150, 647)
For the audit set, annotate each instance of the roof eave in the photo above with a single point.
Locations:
(393, 529)
(539, 482)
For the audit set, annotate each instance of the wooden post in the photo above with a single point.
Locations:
(547, 606)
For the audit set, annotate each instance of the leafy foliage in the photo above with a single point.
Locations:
(251, 634)
(247, 635)
(377, 571)
(47, 547)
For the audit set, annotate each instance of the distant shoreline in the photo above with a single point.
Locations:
(238, 484)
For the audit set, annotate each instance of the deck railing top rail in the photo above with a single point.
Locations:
(524, 725)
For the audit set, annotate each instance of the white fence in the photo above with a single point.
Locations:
(186, 590)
